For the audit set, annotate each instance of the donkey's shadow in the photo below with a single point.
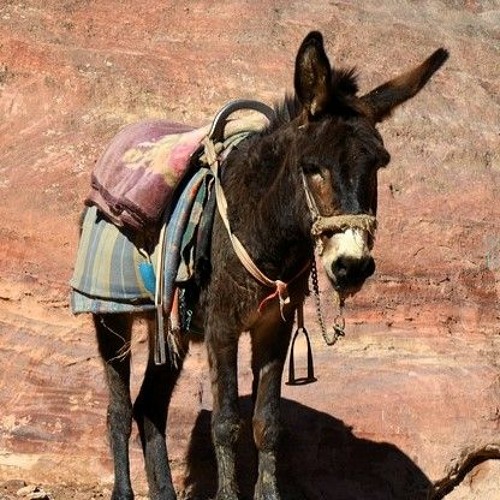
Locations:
(320, 458)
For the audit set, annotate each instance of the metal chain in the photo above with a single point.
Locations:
(339, 323)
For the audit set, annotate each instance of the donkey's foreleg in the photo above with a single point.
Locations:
(150, 413)
(113, 336)
(222, 356)
(269, 344)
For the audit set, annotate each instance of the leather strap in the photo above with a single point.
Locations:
(281, 288)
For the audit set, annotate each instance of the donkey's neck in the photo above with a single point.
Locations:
(266, 206)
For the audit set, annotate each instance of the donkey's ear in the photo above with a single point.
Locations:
(313, 75)
(382, 100)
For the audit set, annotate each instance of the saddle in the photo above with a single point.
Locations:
(149, 219)
(135, 179)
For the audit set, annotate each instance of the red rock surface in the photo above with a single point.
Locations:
(413, 393)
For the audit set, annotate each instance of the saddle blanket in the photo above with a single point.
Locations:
(113, 273)
(134, 180)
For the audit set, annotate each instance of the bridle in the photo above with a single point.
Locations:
(334, 223)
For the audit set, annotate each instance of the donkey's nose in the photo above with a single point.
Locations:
(351, 272)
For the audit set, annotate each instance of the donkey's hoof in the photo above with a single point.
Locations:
(226, 495)
(266, 491)
(122, 495)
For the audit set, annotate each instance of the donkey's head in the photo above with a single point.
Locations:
(339, 152)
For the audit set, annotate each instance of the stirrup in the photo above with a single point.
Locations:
(309, 378)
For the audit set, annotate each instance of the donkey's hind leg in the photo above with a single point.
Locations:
(150, 413)
(113, 336)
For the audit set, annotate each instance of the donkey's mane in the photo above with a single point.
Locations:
(345, 81)
(345, 88)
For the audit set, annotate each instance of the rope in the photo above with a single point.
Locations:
(340, 223)
(281, 288)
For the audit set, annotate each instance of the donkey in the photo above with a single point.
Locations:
(309, 178)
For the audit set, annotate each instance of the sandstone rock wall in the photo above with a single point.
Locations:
(412, 396)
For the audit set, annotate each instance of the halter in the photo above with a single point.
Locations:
(335, 223)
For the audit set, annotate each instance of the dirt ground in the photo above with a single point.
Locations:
(16, 489)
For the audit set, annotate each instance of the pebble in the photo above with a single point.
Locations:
(32, 492)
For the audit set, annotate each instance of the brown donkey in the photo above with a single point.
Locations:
(309, 178)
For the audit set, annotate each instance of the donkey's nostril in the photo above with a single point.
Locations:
(340, 268)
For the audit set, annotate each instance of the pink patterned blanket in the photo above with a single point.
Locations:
(135, 178)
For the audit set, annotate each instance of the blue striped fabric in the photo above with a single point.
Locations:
(107, 276)
(179, 236)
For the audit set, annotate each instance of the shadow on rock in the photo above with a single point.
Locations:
(320, 458)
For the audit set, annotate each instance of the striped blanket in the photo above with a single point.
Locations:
(106, 276)
(114, 274)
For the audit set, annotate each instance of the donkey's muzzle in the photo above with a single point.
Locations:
(350, 273)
